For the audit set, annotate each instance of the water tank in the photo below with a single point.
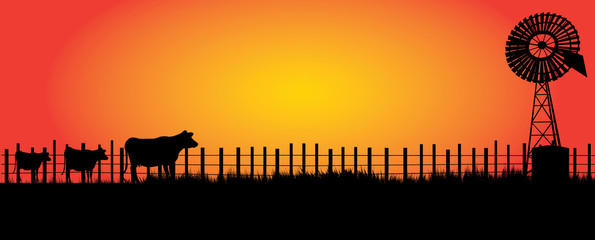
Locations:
(550, 164)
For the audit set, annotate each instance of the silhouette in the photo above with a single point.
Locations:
(550, 164)
(30, 161)
(542, 48)
(162, 151)
(575, 61)
(83, 160)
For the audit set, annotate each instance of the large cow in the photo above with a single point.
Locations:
(158, 151)
(30, 161)
(83, 160)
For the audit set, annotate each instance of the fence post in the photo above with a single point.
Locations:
(459, 161)
(121, 165)
(45, 168)
(251, 163)
(6, 172)
(303, 158)
(238, 163)
(370, 160)
(342, 159)
(433, 159)
(54, 161)
(291, 159)
(172, 171)
(111, 165)
(589, 161)
(83, 171)
(574, 162)
(15, 163)
(508, 158)
(421, 161)
(495, 158)
(485, 162)
(386, 163)
(185, 163)
(33, 179)
(405, 170)
(264, 163)
(202, 163)
(98, 167)
(355, 160)
(276, 162)
(447, 162)
(330, 161)
(316, 159)
(473, 167)
(220, 177)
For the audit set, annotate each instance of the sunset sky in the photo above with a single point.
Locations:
(267, 73)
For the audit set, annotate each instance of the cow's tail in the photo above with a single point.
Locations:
(64, 169)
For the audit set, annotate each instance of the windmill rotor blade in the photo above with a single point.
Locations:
(549, 22)
(520, 34)
(554, 69)
(543, 47)
(526, 27)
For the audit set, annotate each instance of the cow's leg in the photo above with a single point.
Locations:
(32, 175)
(67, 173)
(172, 170)
(165, 168)
(90, 176)
(133, 176)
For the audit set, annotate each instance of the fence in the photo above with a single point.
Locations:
(268, 163)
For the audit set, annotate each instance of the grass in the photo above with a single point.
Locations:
(360, 178)
(282, 178)
(346, 178)
(283, 193)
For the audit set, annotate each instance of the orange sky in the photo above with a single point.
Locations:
(267, 73)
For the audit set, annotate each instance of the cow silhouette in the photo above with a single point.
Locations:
(83, 160)
(30, 161)
(162, 151)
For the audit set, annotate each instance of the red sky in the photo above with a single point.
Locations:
(267, 73)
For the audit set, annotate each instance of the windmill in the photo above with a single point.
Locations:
(542, 48)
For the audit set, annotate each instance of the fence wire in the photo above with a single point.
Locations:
(263, 165)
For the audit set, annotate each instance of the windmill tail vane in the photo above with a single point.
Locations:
(575, 61)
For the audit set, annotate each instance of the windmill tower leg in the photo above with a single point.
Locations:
(544, 129)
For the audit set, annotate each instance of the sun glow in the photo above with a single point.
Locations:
(237, 73)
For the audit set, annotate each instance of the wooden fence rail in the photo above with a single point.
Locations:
(394, 165)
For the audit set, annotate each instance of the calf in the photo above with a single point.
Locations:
(30, 161)
(83, 160)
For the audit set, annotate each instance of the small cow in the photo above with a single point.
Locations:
(157, 151)
(83, 160)
(30, 161)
